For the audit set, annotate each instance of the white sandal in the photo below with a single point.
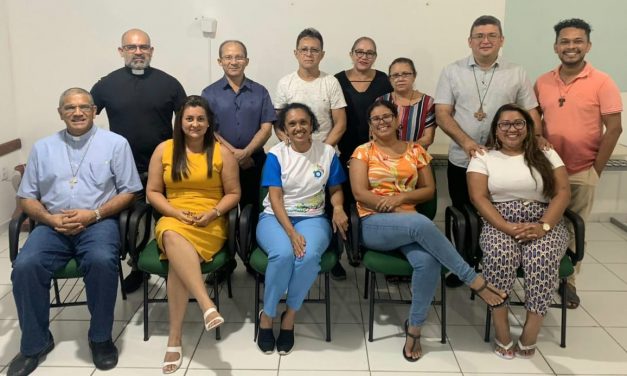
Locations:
(520, 347)
(177, 363)
(212, 324)
(504, 351)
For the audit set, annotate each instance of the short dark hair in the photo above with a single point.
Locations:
(232, 41)
(403, 60)
(487, 20)
(577, 23)
(382, 103)
(297, 106)
(310, 32)
(179, 154)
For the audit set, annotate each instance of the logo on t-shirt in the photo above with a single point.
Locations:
(318, 171)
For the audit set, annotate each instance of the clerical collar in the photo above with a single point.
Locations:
(138, 72)
(83, 137)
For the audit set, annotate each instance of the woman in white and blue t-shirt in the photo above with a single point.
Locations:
(293, 229)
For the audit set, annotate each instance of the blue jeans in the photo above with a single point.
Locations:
(285, 272)
(424, 246)
(96, 249)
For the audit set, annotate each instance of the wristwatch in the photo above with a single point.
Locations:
(545, 226)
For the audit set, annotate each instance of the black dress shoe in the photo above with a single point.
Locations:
(338, 273)
(105, 354)
(133, 281)
(23, 365)
(453, 281)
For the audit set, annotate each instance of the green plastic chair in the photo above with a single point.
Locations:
(71, 269)
(566, 268)
(149, 262)
(390, 263)
(258, 259)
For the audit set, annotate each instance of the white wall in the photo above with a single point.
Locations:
(8, 126)
(58, 44)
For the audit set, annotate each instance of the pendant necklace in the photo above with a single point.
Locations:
(480, 114)
(74, 179)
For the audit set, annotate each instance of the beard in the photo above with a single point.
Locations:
(138, 64)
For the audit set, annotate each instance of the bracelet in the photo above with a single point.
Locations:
(98, 216)
(218, 212)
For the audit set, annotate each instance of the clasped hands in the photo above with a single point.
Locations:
(525, 231)
(196, 219)
(72, 221)
(388, 204)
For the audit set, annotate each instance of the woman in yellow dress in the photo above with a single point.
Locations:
(192, 200)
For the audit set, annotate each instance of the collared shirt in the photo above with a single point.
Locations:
(321, 95)
(107, 169)
(457, 87)
(238, 116)
(575, 128)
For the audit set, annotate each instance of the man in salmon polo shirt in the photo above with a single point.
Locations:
(577, 101)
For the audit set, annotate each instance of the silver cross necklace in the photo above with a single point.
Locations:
(74, 179)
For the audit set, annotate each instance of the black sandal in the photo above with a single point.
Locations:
(492, 290)
(416, 339)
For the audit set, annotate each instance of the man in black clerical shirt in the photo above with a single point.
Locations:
(140, 102)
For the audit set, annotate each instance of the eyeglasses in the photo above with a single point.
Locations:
(492, 37)
(397, 76)
(366, 54)
(84, 108)
(134, 47)
(238, 58)
(307, 50)
(506, 125)
(387, 118)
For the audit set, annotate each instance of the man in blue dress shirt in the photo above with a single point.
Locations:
(243, 118)
(76, 182)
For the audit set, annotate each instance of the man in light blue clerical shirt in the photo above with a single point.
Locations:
(76, 182)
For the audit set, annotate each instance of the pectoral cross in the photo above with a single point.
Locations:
(73, 181)
(561, 100)
(480, 115)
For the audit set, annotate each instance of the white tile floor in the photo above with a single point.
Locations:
(597, 333)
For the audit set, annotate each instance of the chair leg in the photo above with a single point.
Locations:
(488, 319)
(327, 303)
(443, 306)
(564, 310)
(228, 285)
(367, 273)
(256, 310)
(57, 294)
(145, 275)
(121, 275)
(216, 301)
(371, 308)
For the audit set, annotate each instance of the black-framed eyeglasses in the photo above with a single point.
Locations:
(84, 108)
(397, 76)
(367, 54)
(505, 125)
(308, 50)
(134, 47)
(386, 118)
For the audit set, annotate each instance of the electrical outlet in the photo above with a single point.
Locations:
(5, 174)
